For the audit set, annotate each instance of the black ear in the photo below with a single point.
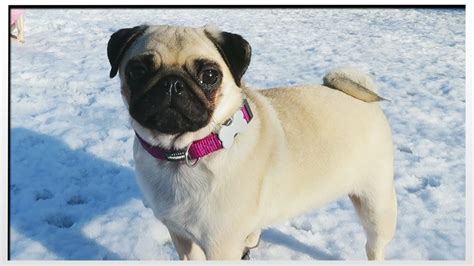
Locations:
(118, 44)
(235, 50)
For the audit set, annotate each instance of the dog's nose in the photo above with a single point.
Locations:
(172, 85)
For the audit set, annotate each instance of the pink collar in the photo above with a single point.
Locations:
(200, 148)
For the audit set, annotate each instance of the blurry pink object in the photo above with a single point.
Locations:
(15, 14)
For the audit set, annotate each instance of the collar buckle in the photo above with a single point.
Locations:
(188, 159)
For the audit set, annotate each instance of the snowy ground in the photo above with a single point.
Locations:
(73, 193)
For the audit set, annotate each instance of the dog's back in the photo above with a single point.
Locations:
(338, 143)
(346, 139)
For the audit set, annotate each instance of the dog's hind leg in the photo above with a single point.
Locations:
(377, 210)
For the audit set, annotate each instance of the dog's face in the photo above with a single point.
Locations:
(178, 80)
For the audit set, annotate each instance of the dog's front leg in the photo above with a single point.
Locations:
(186, 248)
(229, 249)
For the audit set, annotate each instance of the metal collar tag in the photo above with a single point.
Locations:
(236, 124)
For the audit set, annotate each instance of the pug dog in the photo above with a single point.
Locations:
(217, 161)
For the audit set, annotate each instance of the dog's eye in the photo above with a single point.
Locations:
(209, 77)
(136, 72)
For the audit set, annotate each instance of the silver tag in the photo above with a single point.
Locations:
(228, 132)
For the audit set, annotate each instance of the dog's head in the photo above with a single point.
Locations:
(178, 82)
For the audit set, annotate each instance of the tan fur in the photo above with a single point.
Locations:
(306, 146)
(352, 82)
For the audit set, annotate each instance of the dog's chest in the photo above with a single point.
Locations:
(180, 196)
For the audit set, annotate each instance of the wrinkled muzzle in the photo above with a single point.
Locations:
(170, 106)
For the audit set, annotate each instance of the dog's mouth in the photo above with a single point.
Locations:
(170, 115)
(173, 120)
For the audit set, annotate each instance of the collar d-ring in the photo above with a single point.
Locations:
(188, 159)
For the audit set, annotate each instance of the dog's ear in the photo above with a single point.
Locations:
(235, 50)
(118, 44)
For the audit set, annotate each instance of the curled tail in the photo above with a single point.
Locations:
(352, 82)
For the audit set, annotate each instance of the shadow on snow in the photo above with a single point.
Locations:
(73, 186)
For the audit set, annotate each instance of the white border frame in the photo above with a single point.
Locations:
(4, 103)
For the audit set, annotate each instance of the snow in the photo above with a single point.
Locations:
(73, 193)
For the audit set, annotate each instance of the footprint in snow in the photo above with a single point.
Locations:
(60, 220)
(405, 149)
(76, 200)
(305, 226)
(43, 195)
